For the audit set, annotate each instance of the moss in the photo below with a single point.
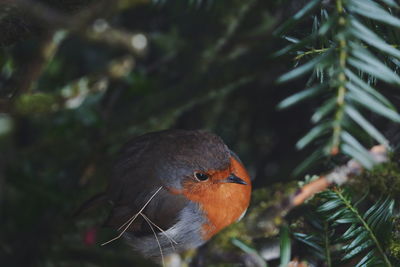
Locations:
(384, 179)
(38, 103)
(394, 246)
(273, 193)
(268, 207)
(224, 239)
(395, 249)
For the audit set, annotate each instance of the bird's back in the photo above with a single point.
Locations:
(134, 181)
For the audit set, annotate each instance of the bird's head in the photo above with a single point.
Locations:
(205, 171)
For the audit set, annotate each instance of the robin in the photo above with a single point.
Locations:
(173, 190)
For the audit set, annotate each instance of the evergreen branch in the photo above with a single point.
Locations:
(365, 234)
(346, 45)
(326, 244)
(341, 91)
(317, 238)
(360, 218)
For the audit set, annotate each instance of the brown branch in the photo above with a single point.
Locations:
(34, 68)
(269, 219)
(339, 176)
(81, 23)
(233, 25)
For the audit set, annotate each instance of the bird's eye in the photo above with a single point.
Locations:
(201, 176)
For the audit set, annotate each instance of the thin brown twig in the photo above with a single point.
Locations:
(268, 220)
(338, 176)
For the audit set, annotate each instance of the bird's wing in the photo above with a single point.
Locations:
(133, 184)
(160, 209)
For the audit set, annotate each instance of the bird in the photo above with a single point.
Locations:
(173, 190)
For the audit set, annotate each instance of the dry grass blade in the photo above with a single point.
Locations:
(171, 240)
(128, 223)
(155, 235)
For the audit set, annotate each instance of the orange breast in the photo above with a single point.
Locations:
(223, 203)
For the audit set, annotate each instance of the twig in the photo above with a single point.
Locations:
(339, 176)
(312, 51)
(271, 216)
(33, 69)
(322, 50)
(79, 24)
(233, 25)
(266, 222)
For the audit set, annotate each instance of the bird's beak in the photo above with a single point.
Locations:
(234, 179)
